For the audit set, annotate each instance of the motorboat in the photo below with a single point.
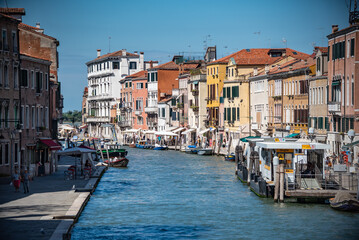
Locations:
(160, 147)
(229, 157)
(192, 149)
(205, 151)
(117, 162)
(141, 144)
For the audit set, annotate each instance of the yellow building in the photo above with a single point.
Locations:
(236, 93)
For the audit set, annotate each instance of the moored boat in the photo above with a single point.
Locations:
(160, 147)
(141, 144)
(192, 149)
(229, 157)
(117, 162)
(205, 151)
(344, 201)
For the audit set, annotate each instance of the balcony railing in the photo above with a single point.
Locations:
(97, 119)
(195, 92)
(334, 107)
(124, 123)
(138, 112)
(151, 109)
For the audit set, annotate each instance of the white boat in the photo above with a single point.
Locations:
(205, 151)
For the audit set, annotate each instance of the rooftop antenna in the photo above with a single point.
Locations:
(284, 42)
(353, 15)
(207, 38)
(109, 44)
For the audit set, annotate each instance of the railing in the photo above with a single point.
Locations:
(333, 181)
(334, 107)
(195, 92)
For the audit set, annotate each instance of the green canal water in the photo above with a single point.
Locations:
(173, 195)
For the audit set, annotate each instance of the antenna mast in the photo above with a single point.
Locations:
(353, 15)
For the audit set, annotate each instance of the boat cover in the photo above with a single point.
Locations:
(343, 196)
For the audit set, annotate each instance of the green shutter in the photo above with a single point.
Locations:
(225, 116)
(309, 122)
(237, 113)
(224, 92)
(228, 92)
(233, 114)
(320, 123)
(229, 114)
(327, 123)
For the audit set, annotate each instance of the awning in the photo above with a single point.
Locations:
(347, 146)
(178, 130)
(83, 126)
(292, 135)
(245, 138)
(132, 131)
(165, 134)
(203, 131)
(195, 82)
(179, 96)
(188, 131)
(106, 125)
(51, 144)
(170, 129)
(149, 132)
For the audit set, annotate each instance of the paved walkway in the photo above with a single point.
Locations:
(30, 216)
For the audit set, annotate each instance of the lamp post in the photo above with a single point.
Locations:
(351, 136)
(311, 134)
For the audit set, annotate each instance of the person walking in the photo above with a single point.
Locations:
(25, 181)
(16, 181)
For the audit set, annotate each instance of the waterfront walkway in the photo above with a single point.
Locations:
(31, 216)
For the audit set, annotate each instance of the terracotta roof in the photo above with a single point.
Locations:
(322, 49)
(28, 55)
(166, 66)
(188, 66)
(293, 65)
(259, 56)
(13, 11)
(34, 30)
(116, 54)
(139, 74)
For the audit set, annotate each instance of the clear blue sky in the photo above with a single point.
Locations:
(164, 28)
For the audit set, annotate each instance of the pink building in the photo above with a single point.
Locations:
(139, 95)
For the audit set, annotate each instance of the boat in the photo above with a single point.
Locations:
(117, 162)
(229, 157)
(160, 147)
(141, 144)
(205, 151)
(192, 149)
(132, 145)
(344, 201)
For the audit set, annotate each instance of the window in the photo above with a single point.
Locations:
(237, 113)
(32, 79)
(348, 48)
(133, 65)
(6, 76)
(235, 91)
(24, 78)
(353, 89)
(1, 76)
(352, 46)
(22, 115)
(46, 117)
(46, 82)
(7, 152)
(6, 116)
(27, 114)
(224, 92)
(16, 78)
(233, 114)
(139, 85)
(0, 118)
(163, 111)
(348, 90)
(14, 41)
(318, 64)
(33, 117)
(16, 149)
(228, 92)
(5, 46)
(115, 65)
(126, 85)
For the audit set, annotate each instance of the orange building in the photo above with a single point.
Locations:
(139, 96)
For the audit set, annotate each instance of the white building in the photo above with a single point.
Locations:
(104, 74)
(259, 101)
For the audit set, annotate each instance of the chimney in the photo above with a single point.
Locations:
(98, 52)
(142, 61)
(334, 28)
(39, 29)
(123, 52)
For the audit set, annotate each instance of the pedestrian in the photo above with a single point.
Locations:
(16, 181)
(25, 181)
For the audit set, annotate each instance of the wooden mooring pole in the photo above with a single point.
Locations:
(281, 182)
(276, 178)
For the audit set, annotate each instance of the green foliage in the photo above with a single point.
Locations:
(72, 116)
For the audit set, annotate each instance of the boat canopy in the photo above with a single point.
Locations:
(188, 131)
(292, 135)
(293, 145)
(245, 139)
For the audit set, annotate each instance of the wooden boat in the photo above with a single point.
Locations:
(344, 201)
(229, 157)
(141, 144)
(132, 145)
(120, 162)
(205, 151)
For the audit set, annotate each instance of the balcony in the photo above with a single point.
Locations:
(97, 119)
(179, 105)
(151, 110)
(100, 97)
(138, 112)
(124, 124)
(334, 107)
(195, 92)
(195, 108)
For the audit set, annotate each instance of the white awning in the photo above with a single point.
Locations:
(178, 130)
(132, 131)
(165, 134)
(293, 145)
(149, 132)
(203, 131)
(188, 131)
(179, 96)
(170, 129)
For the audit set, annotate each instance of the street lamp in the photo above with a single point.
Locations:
(311, 134)
(351, 136)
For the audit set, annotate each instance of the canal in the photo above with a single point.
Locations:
(173, 195)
